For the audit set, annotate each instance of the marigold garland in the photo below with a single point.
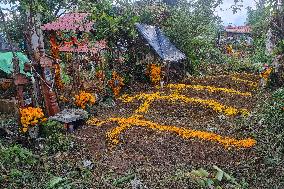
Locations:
(30, 117)
(211, 89)
(216, 106)
(54, 46)
(84, 99)
(249, 83)
(116, 83)
(136, 121)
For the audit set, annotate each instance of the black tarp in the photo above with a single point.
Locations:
(160, 43)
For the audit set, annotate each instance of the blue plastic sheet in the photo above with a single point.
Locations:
(160, 43)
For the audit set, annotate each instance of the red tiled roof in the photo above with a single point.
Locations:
(70, 21)
(238, 29)
(74, 22)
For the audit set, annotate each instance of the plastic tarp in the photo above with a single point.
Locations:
(160, 43)
(6, 64)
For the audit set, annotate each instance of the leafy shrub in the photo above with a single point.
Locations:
(215, 180)
(16, 164)
(274, 111)
(241, 65)
(16, 156)
(195, 32)
(56, 137)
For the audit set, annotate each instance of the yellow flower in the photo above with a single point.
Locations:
(149, 98)
(154, 71)
(84, 99)
(30, 117)
(265, 75)
(249, 83)
(137, 121)
(208, 88)
(25, 129)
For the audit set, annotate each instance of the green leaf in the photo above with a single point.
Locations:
(227, 176)
(54, 181)
(123, 179)
(219, 174)
(203, 172)
(196, 173)
(201, 182)
(209, 182)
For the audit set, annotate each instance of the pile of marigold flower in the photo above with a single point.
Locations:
(84, 99)
(31, 117)
(116, 83)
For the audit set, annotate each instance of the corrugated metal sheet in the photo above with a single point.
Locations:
(160, 43)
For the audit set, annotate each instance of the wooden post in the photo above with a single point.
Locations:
(36, 44)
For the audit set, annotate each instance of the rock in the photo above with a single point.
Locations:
(137, 184)
(88, 164)
(70, 115)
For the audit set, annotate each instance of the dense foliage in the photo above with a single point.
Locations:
(259, 20)
(190, 117)
(194, 29)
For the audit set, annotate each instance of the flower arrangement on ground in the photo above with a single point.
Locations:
(84, 99)
(30, 117)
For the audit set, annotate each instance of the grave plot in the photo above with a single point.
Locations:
(178, 97)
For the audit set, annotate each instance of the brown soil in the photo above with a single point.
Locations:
(158, 158)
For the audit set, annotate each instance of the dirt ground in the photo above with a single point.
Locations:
(159, 159)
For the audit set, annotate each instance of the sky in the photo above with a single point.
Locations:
(236, 19)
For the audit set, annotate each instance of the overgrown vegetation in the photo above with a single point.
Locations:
(147, 153)
(40, 164)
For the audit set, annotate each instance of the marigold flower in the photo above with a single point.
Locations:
(154, 71)
(31, 117)
(137, 121)
(84, 99)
